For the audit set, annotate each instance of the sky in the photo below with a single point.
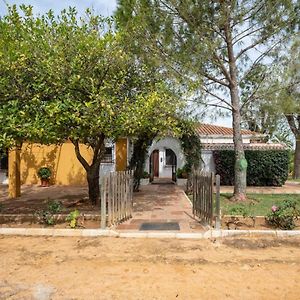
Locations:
(101, 7)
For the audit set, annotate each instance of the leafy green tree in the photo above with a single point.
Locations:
(291, 101)
(286, 98)
(85, 86)
(23, 77)
(211, 47)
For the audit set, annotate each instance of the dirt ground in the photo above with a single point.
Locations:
(114, 268)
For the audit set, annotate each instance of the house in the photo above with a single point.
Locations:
(165, 154)
(61, 159)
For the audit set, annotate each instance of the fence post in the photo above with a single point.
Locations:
(103, 203)
(218, 217)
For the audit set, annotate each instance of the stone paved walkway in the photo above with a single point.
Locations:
(162, 203)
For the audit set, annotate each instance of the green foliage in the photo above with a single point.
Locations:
(265, 168)
(238, 209)
(46, 216)
(257, 204)
(72, 218)
(146, 174)
(65, 77)
(183, 172)
(44, 173)
(191, 146)
(210, 48)
(284, 215)
(55, 206)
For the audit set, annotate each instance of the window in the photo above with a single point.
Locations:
(170, 158)
(108, 157)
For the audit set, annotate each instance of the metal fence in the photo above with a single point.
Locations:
(116, 198)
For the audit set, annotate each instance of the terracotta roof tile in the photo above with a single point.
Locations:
(208, 129)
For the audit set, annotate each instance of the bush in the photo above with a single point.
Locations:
(72, 218)
(44, 173)
(284, 215)
(265, 168)
(46, 216)
(146, 174)
(183, 172)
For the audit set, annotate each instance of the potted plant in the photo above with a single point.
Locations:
(182, 176)
(145, 178)
(44, 174)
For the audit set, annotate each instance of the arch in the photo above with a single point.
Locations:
(163, 163)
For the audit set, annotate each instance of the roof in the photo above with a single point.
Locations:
(208, 129)
(248, 146)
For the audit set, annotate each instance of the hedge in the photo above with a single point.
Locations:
(265, 168)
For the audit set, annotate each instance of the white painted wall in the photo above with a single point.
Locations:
(3, 177)
(220, 139)
(161, 145)
(106, 168)
(208, 164)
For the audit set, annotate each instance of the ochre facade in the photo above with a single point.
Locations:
(61, 159)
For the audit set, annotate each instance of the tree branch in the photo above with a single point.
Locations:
(292, 124)
(79, 156)
(217, 97)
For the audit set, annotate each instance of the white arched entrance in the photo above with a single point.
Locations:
(164, 158)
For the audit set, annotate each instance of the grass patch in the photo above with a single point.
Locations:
(293, 180)
(257, 204)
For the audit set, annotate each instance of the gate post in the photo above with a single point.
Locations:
(103, 202)
(218, 217)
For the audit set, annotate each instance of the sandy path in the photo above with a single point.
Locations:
(114, 268)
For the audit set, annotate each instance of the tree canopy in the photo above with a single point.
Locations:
(212, 47)
(70, 77)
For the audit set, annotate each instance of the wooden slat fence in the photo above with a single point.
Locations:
(202, 188)
(116, 198)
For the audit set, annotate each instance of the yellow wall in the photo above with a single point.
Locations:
(61, 159)
(121, 154)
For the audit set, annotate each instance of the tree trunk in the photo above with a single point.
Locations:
(240, 167)
(296, 173)
(93, 184)
(93, 169)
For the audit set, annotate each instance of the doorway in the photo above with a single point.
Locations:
(163, 165)
(154, 164)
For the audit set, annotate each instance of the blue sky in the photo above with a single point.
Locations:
(101, 7)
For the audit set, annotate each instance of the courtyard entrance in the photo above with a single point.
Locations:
(161, 207)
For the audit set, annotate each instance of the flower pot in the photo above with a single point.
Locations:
(144, 181)
(45, 182)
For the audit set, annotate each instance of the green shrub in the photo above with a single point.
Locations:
(54, 206)
(72, 218)
(46, 216)
(265, 168)
(44, 173)
(183, 172)
(145, 174)
(284, 215)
